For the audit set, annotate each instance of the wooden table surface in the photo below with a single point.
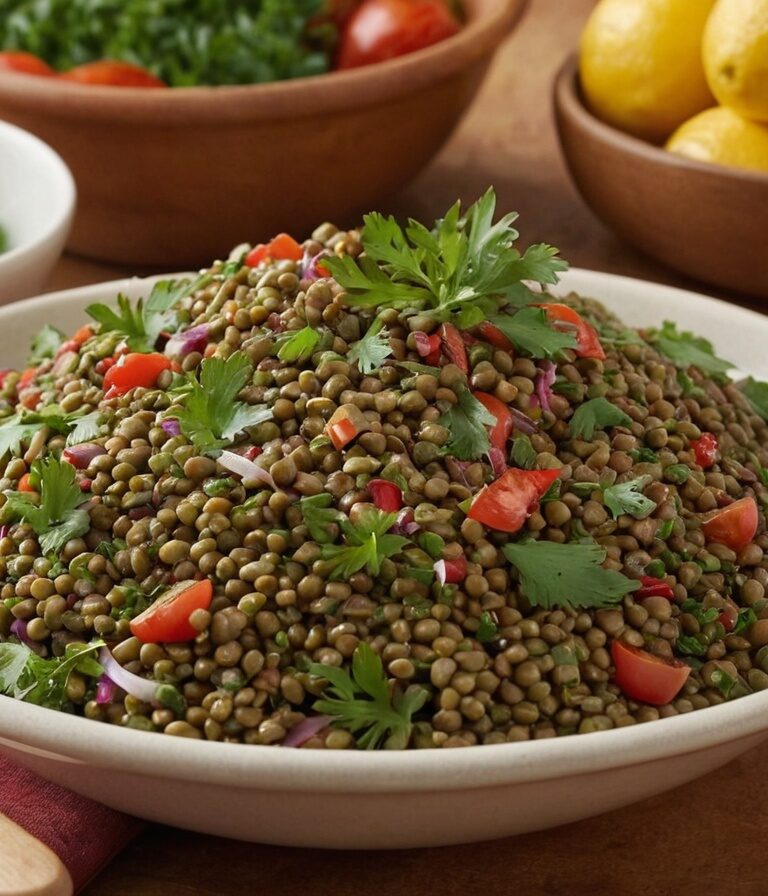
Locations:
(702, 838)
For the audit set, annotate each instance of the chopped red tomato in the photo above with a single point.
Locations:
(705, 450)
(25, 64)
(167, 619)
(386, 495)
(734, 526)
(507, 503)
(3, 374)
(451, 572)
(282, 248)
(493, 335)
(728, 618)
(653, 587)
(504, 423)
(82, 335)
(134, 370)
(384, 29)
(588, 342)
(454, 347)
(31, 399)
(428, 347)
(27, 376)
(111, 73)
(25, 484)
(645, 677)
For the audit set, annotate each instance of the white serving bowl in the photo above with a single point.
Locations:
(37, 203)
(358, 800)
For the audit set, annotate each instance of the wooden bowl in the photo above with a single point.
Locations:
(708, 221)
(173, 178)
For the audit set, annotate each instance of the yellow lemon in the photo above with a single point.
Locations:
(736, 56)
(641, 67)
(722, 136)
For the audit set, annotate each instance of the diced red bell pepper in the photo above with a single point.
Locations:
(428, 347)
(646, 677)
(502, 430)
(132, 371)
(507, 503)
(346, 424)
(588, 342)
(386, 495)
(451, 572)
(493, 335)
(653, 587)
(705, 450)
(454, 347)
(734, 526)
(283, 247)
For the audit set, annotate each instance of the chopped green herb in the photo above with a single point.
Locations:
(644, 455)
(467, 423)
(171, 698)
(297, 346)
(745, 619)
(363, 704)
(85, 428)
(701, 615)
(27, 676)
(677, 473)
(319, 515)
(724, 682)
(689, 645)
(553, 492)
(487, 630)
(45, 345)
(628, 497)
(432, 543)
(756, 394)
(690, 389)
(567, 575)
(572, 391)
(523, 453)
(370, 352)
(368, 544)
(530, 331)
(218, 488)
(598, 413)
(686, 350)
(665, 529)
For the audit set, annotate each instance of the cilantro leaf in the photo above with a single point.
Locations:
(368, 544)
(756, 394)
(467, 422)
(78, 427)
(598, 413)
(530, 331)
(57, 518)
(523, 453)
(370, 352)
(465, 265)
(45, 345)
(27, 676)
(686, 350)
(297, 346)
(211, 417)
(628, 497)
(689, 645)
(567, 575)
(363, 704)
(85, 429)
(487, 629)
(13, 433)
(141, 325)
(319, 515)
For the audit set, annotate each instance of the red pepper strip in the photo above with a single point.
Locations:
(134, 370)
(386, 495)
(282, 248)
(502, 430)
(653, 587)
(587, 339)
(454, 347)
(495, 337)
(507, 503)
(705, 450)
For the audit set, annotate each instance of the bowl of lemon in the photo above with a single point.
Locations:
(663, 122)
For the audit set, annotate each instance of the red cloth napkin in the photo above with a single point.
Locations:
(83, 834)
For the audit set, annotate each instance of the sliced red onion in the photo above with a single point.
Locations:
(106, 690)
(80, 456)
(171, 426)
(522, 423)
(451, 572)
(458, 469)
(19, 628)
(310, 269)
(275, 323)
(141, 688)
(544, 382)
(426, 345)
(498, 460)
(187, 341)
(305, 731)
(245, 468)
(405, 524)
(5, 531)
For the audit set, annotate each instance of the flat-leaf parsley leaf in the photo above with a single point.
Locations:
(467, 422)
(598, 413)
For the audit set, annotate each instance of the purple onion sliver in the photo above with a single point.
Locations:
(4, 531)
(310, 269)
(171, 426)
(19, 628)
(405, 523)
(544, 382)
(522, 423)
(497, 460)
(106, 690)
(305, 731)
(184, 343)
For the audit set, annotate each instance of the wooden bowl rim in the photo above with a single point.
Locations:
(489, 22)
(569, 102)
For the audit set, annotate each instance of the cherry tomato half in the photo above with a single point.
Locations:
(504, 423)
(734, 526)
(167, 620)
(25, 64)
(645, 677)
(588, 342)
(384, 29)
(507, 503)
(111, 73)
(134, 370)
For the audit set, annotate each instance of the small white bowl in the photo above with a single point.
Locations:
(37, 203)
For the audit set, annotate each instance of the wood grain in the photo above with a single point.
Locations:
(702, 838)
(27, 866)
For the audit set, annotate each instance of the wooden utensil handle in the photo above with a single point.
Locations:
(27, 866)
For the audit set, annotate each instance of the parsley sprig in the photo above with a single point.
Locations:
(45, 344)
(368, 544)
(26, 676)
(140, 326)
(211, 417)
(370, 352)
(567, 575)
(363, 704)
(467, 422)
(76, 426)
(297, 346)
(598, 413)
(58, 517)
(319, 515)
(685, 350)
(628, 497)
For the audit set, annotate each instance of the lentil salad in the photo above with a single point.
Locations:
(372, 491)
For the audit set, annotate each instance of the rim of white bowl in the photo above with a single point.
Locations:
(79, 740)
(63, 204)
